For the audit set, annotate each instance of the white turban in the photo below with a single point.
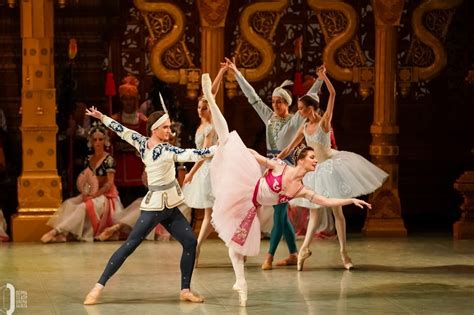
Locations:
(160, 121)
(281, 92)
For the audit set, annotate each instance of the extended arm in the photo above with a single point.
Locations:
(313, 197)
(132, 137)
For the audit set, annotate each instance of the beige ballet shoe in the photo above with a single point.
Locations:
(48, 237)
(267, 264)
(302, 256)
(94, 294)
(108, 233)
(190, 297)
(346, 261)
(289, 261)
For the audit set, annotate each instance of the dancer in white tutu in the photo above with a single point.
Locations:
(197, 183)
(240, 190)
(87, 215)
(339, 174)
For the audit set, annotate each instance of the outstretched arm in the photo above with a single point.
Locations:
(313, 197)
(296, 140)
(131, 136)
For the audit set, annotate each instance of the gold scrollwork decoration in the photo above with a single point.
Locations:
(339, 22)
(170, 58)
(430, 34)
(254, 50)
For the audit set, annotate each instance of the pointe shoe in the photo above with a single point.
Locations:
(346, 261)
(48, 237)
(108, 232)
(267, 265)
(190, 297)
(302, 256)
(289, 261)
(93, 295)
(242, 290)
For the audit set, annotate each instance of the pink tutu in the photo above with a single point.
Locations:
(234, 174)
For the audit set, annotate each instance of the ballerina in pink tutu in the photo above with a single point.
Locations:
(240, 190)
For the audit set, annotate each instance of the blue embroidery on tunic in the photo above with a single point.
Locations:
(157, 152)
(174, 149)
(115, 126)
(142, 142)
(203, 151)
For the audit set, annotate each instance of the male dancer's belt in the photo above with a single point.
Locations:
(162, 187)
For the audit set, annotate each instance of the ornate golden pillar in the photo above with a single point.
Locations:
(384, 219)
(213, 14)
(39, 186)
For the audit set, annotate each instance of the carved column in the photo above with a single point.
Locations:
(39, 186)
(213, 14)
(384, 219)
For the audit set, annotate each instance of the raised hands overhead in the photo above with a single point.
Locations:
(93, 112)
(231, 64)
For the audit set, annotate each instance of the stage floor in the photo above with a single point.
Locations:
(413, 275)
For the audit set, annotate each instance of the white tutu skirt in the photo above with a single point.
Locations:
(344, 175)
(198, 193)
(234, 174)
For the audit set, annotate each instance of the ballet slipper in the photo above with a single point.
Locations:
(190, 297)
(267, 264)
(302, 256)
(48, 237)
(61, 238)
(108, 232)
(94, 294)
(346, 261)
(289, 261)
(242, 290)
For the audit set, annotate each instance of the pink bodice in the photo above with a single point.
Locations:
(268, 190)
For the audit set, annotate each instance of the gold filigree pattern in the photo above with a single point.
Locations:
(350, 55)
(263, 23)
(159, 23)
(248, 56)
(174, 58)
(419, 54)
(438, 21)
(332, 22)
